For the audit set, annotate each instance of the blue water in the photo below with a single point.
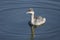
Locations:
(14, 20)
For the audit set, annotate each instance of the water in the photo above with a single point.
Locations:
(14, 20)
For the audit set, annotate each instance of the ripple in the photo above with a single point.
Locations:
(16, 26)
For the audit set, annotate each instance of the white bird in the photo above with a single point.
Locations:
(37, 21)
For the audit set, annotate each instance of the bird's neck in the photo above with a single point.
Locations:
(32, 18)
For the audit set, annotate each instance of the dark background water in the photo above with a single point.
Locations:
(14, 20)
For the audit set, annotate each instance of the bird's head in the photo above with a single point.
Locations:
(30, 11)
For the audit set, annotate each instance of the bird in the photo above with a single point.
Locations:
(35, 20)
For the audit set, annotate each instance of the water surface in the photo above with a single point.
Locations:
(14, 20)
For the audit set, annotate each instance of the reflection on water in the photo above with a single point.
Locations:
(14, 21)
(32, 33)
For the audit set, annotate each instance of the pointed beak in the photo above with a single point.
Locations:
(28, 12)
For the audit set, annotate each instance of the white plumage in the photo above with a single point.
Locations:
(35, 20)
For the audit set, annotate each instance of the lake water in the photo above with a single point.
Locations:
(14, 20)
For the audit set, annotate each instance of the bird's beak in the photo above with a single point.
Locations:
(27, 12)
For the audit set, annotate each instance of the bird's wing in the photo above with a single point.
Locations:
(38, 19)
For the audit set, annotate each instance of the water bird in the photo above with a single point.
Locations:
(35, 21)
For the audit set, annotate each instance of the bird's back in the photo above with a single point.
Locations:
(38, 20)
